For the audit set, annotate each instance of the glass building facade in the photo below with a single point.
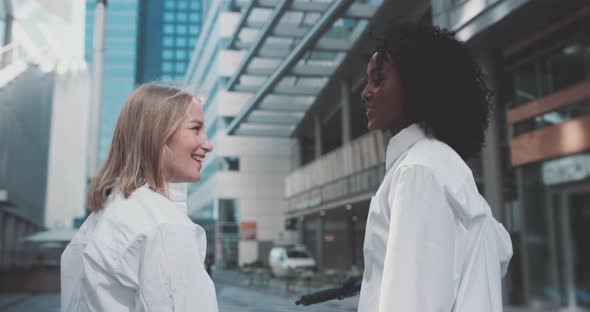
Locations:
(169, 30)
(553, 74)
(144, 41)
(120, 56)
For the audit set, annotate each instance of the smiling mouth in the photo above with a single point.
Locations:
(198, 158)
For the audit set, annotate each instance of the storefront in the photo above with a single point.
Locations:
(548, 120)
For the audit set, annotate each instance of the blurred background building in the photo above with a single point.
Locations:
(143, 41)
(293, 161)
(43, 125)
(533, 170)
(168, 32)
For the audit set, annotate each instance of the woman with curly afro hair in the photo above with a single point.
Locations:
(431, 242)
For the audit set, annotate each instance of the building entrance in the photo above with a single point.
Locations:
(569, 229)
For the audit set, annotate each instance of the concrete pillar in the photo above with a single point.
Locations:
(351, 237)
(2, 236)
(345, 102)
(295, 154)
(317, 125)
(491, 153)
(320, 242)
(8, 236)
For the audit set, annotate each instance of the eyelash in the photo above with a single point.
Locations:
(197, 129)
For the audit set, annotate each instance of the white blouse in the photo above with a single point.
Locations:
(142, 253)
(431, 242)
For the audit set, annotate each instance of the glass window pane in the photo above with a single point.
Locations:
(167, 54)
(180, 67)
(166, 67)
(181, 42)
(168, 42)
(181, 54)
(181, 29)
(563, 68)
(168, 17)
(195, 18)
(194, 30)
(195, 4)
(181, 17)
(182, 5)
(169, 5)
(168, 29)
(525, 83)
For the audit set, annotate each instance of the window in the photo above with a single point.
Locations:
(195, 18)
(182, 5)
(181, 54)
(193, 41)
(167, 54)
(228, 210)
(180, 67)
(194, 30)
(168, 17)
(169, 5)
(168, 29)
(181, 42)
(168, 42)
(181, 17)
(195, 5)
(181, 29)
(167, 67)
(228, 163)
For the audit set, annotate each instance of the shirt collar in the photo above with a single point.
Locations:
(177, 193)
(401, 142)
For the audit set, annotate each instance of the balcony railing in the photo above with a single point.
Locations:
(351, 170)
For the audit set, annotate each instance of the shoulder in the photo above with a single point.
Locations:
(433, 163)
(440, 160)
(126, 219)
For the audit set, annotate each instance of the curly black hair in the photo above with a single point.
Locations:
(444, 89)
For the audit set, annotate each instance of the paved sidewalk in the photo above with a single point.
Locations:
(273, 296)
(8, 299)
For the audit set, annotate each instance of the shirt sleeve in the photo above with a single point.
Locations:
(419, 259)
(171, 273)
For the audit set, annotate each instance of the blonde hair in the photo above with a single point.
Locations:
(150, 116)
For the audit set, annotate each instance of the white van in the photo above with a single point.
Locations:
(283, 258)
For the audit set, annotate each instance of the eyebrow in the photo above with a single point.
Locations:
(196, 122)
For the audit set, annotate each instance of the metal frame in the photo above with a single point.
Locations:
(296, 50)
(327, 19)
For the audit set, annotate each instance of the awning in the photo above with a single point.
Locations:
(55, 236)
(292, 48)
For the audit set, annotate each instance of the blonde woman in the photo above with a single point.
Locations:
(138, 250)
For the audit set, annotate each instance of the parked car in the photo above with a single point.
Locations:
(283, 258)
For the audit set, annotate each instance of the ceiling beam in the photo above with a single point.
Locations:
(260, 39)
(334, 11)
(356, 10)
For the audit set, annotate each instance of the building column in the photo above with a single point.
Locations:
(491, 154)
(295, 154)
(3, 217)
(351, 236)
(345, 103)
(320, 242)
(318, 139)
(8, 239)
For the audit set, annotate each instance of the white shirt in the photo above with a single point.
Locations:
(142, 253)
(431, 242)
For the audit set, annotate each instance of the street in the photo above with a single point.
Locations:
(232, 295)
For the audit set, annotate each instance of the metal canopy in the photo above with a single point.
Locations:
(292, 48)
